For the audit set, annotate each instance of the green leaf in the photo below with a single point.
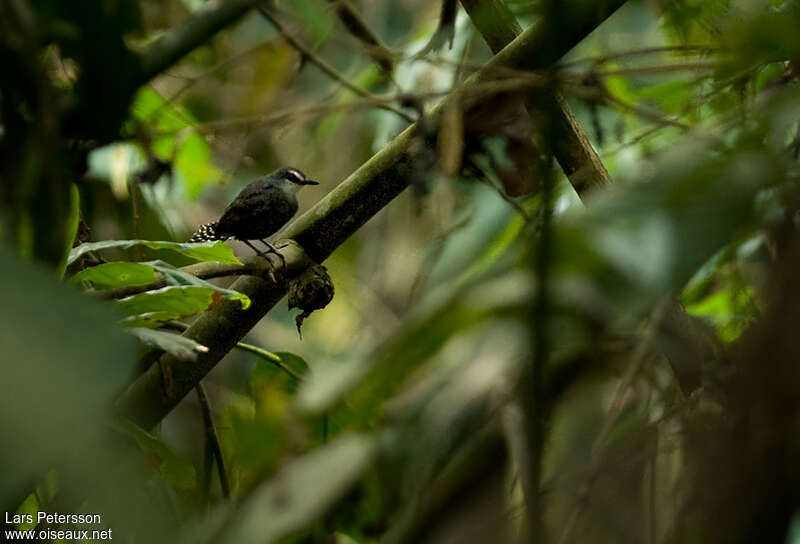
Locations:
(731, 310)
(149, 106)
(176, 276)
(194, 167)
(31, 507)
(116, 274)
(210, 252)
(284, 373)
(293, 362)
(154, 307)
(72, 225)
(178, 471)
(180, 346)
(671, 97)
(123, 274)
(303, 491)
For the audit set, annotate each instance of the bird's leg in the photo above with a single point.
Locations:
(272, 249)
(254, 248)
(262, 254)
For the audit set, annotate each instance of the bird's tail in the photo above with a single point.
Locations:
(207, 233)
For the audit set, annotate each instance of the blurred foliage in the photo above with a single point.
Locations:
(404, 414)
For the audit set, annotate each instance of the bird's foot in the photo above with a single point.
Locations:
(265, 255)
(273, 249)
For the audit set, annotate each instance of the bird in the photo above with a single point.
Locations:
(258, 211)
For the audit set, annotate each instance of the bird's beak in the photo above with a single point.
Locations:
(309, 182)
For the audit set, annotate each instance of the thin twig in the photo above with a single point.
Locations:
(250, 348)
(356, 25)
(645, 113)
(212, 440)
(484, 177)
(191, 81)
(654, 69)
(435, 253)
(474, 94)
(269, 356)
(599, 59)
(323, 65)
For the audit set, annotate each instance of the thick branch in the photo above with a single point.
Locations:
(193, 33)
(329, 223)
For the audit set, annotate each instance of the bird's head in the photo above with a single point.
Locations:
(291, 179)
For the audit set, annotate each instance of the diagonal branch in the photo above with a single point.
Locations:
(353, 21)
(330, 222)
(571, 148)
(193, 33)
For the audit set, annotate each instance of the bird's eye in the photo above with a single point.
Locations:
(294, 176)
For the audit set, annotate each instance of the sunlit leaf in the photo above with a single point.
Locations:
(730, 310)
(213, 252)
(154, 307)
(193, 165)
(116, 274)
(285, 373)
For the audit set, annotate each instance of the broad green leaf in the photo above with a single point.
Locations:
(293, 362)
(731, 310)
(116, 274)
(31, 507)
(176, 276)
(154, 307)
(180, 472)
(212, 252)
(149, 106)
(301, 492)
(179, 346)
(284, 374)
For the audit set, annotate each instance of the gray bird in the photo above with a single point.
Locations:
(258, 211)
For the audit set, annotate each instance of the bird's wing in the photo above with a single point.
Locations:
(250, 214)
